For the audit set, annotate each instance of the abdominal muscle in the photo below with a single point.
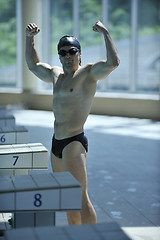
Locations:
(63, 130)
(72, 99)
(69, 121)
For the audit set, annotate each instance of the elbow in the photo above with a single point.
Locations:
(31, 67)
(30, 63)
(117, 62)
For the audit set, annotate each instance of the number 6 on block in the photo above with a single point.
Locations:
(16, 159)
(3, 138)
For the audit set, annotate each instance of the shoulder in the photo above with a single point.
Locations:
(89, 82)
(56, 71)
(87, 67)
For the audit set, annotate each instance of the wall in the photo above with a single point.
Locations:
(128, 105)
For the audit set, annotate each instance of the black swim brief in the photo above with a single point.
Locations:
(59, 145)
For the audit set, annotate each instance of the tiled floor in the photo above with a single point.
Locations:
(123, 165)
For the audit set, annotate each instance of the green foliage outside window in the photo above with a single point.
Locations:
(7, 32)
(90, 11)
(61, 21)
(119, 21)
(148, 17)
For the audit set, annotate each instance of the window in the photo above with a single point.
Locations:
(61, 24)
(135, 28)
(89, 13)
(148, 58)
(119, 25)
(8, 43)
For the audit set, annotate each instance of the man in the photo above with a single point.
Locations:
(73, 91)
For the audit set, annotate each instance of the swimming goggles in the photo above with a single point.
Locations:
(71, 51)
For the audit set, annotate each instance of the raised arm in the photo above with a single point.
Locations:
(102, 68)
(41, 70)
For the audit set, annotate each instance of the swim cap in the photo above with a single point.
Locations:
(68, 41)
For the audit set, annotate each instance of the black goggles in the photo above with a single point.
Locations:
(71, 51)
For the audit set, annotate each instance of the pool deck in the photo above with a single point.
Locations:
(123, 168)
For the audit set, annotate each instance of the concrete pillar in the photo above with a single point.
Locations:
(31, 13)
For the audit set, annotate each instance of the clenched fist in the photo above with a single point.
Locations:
(99, 27)
(32, 30)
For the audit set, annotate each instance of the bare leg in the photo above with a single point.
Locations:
(56, 163)
(74, 161)
(57, 166)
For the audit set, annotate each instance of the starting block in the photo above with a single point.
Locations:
(99, 231)
(9, 132)
(22, 157)
(6, 118)
(19, 159)
(13, 135)
(43, 193)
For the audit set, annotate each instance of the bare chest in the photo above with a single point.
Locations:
(67, 92)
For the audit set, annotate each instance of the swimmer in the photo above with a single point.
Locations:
(74, 87)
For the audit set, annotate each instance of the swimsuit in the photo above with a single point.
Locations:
(59, 145)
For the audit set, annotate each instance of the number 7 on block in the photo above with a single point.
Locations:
(16, 159)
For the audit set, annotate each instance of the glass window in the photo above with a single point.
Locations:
(91, 42)
(144, 35)
(148, 77)
(60, 19)
(120, 29)
(90, 12)
(61, 24)
(8, 43)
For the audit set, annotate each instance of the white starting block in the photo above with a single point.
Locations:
(99, 231)
(6, 118)
(40, 193)
(13, 135)
(20, 158)
(9, 132)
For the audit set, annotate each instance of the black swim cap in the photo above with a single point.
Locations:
(68, 41)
